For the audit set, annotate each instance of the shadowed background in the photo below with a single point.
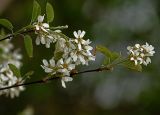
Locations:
(113, 23)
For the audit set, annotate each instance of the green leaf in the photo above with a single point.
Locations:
(49, 12)
(131, 65)
(36, 11)
(104, 50)
(15, 70)
(7, 24)
(28, 45)
(115, 56)
(28, 74)
(109, 55)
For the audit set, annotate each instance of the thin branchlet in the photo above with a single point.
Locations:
(47, 79)
(10, 36)
(27, 30)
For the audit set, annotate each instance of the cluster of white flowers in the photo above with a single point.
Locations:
(7, 78)
(62, 69)
(141, 54)
(43, 32)
(74, 52)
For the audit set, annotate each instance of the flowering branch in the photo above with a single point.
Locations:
(29, 29)
(47, 79)
(69, 52)
(24, 31)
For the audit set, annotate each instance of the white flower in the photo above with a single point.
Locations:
(62, 68)
(50, 66)
(65, 66)
(141, 54)
(6, 46)
(149, 49)
(81, 53)
(9, 56)
(43, 33)
(8, 79)
(45, 39)
(79, 35)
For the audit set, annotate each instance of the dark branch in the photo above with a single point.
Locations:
(14, 34)
(43, 81)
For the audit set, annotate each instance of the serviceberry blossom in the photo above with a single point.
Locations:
(44, 35)
(141, 54)
(62, 68)
(7, 78)
(73, 52)
(81, 52)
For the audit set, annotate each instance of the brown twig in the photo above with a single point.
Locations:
(14, 34)
(43, 81)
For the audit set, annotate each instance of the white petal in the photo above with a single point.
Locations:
(45, 30)
(45, 25)
(4, 78)
(45, 62)
(74, 57)
(63, 83)
(37, 41)
(82, 34)
(88, 48)
(75, 34)
(43, 40)
(79, 46)
(148, 60)
(47, 45)
(60, 62)
(71, 66)
(136, 62)
(76, 41)
(52, 62)
(58, 31)
(92, 58)
(79, 33)
(67, 79)
(129, 48)
(83, 42)
(131, 58)
(40, 18)
(68, 60)
(144, 63)
(82, 59)
(48, 70)
(87, 42)
(63, 70)
(137, 46)
(37, 27)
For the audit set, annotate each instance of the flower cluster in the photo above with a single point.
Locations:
(73, 52)
(141, 54)
(7, 78)
(43, 32)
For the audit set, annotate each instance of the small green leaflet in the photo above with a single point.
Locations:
(36, 11)
(15, 70)
(131, 65)
(104, 50)
(28, 74)
(109, 56)
(7, 24)
(49, 12)
(28, 45)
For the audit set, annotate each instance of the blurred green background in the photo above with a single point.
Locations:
(113, 23)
